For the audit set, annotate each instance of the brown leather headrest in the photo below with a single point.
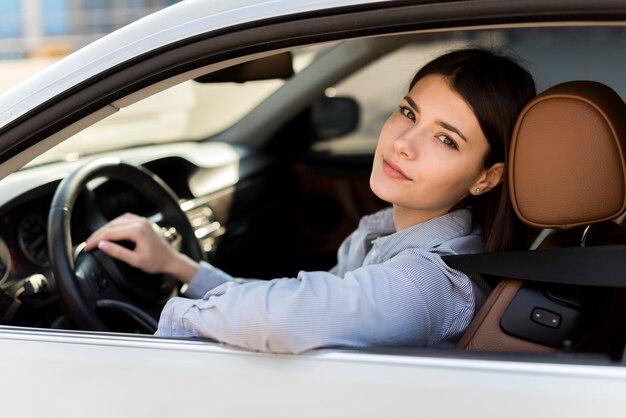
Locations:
(566, 165)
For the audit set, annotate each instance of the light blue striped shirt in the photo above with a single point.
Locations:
(399, 292)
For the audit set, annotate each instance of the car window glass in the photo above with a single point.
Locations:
(552, 55)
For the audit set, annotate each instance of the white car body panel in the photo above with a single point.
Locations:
(104, 376)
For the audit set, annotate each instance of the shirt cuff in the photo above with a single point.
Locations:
(206, 278)
(172, 316)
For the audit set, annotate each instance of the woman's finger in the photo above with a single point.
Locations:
(117, 251)
(131, 231)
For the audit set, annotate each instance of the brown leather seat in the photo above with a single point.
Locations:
(567, 171)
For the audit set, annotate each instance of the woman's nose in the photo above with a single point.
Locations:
(406, 144)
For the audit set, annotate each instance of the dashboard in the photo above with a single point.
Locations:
(198, 176)
(23, 234)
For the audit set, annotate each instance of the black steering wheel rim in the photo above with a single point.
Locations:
(77, 302)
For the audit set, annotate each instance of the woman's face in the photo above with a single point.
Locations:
(430, 152)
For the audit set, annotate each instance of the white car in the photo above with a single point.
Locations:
(260, 119)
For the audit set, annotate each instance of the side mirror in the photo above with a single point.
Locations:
(334, 116)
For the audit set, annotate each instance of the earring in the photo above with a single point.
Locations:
(477, 190)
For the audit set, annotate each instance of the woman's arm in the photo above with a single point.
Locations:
(407, 300)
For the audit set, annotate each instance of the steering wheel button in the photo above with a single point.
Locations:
(102, 283)
(99, 279)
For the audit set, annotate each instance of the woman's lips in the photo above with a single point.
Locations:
(393, 171)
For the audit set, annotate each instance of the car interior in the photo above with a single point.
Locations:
(275, 187)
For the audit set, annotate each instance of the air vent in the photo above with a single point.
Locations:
(202, 219)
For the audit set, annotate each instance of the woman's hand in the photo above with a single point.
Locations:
(151, 254)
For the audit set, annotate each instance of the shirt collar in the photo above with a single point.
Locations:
(425, 235)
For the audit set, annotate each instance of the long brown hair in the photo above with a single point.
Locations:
(496, 88)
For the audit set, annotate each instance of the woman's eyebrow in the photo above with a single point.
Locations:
(443, 124)
(451, 129)
(412, 103)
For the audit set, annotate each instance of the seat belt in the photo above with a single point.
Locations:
(602, 266)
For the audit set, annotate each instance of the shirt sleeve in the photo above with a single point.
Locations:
(383, 304)
(208, 277)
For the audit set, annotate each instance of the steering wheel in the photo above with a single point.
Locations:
(91, 283)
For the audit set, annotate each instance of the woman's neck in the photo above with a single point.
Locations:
(405, 218)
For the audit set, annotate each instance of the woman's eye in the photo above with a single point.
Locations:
(446, 140)
(407, 112)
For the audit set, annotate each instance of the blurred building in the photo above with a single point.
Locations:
(30, 28)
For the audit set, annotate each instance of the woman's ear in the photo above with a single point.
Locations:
(489, 179)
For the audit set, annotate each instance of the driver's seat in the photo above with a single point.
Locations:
(567, 172)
